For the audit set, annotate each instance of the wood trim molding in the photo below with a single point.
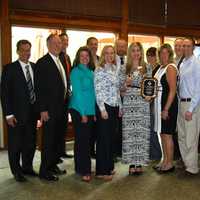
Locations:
(61, 22)
(164, 30)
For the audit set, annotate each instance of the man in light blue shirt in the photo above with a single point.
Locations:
(189, 108)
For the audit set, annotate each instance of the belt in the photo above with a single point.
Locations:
(185, 99)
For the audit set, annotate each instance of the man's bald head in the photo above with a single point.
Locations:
(54, 44)
(121, 46)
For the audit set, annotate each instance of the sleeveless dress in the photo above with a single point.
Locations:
(164, 126)
(135, 123)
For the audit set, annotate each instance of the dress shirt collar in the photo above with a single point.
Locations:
(23, 64)
(54, 57)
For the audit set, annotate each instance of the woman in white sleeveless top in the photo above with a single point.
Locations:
(166, 107)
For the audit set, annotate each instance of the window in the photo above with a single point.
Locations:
(170, 40)
(37, 37)
(146, 40)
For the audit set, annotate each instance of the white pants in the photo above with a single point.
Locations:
(188, 137)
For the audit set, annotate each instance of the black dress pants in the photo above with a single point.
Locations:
(105, 140)
(22, 144)
(83, 132)
(52, 135)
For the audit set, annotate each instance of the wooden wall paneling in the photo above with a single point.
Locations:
(124, 20)
(40, 19)
(147, 11)
(103, 8)
(183, 13)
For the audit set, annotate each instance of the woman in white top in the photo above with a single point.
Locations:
(109, 105)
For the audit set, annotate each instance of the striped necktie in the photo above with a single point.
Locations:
(30, 85)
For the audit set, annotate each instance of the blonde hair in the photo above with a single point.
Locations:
(102, 61)
(170, 51)
(129, 59)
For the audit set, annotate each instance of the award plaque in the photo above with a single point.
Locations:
(149, 87)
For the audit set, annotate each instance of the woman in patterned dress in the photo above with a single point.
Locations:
(136, 112)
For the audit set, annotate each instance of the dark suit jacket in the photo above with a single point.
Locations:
(49, 87)
(15, 97)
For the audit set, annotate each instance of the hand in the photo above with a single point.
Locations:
(95, 119)
(12, 121)
(188, 116)
(129, 81)
(164, 114)
(120, 113)
(44, 116)
(84, 119)
(104, 115)
(148, 98)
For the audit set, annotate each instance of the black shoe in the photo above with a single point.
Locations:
(165, 171)
(59, 161)
(20, 178)
(65, 155)
(58, 171)
(30, 172)
(49, 177)
(93, 155)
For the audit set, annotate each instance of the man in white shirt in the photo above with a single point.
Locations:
(18, 103)
(189, 108)
(178, 49)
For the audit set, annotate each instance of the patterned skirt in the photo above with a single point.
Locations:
(135, 129)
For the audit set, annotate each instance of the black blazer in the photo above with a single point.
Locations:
(15, 97)
(49, 87)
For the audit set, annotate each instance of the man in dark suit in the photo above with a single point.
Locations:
(64, 57)
(18, 103)
(51, 92)
(92, 44)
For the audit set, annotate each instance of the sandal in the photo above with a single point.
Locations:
(132, 170)
(139, 170)
(86, 178)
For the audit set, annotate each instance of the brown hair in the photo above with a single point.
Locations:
(102, 57)
(91, 38)
(76, 62)
(22, 42)
(170, 51)
(129, 59)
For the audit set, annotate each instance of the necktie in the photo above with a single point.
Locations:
(67, 66)
(121, 60)
(62, 75)
(30, 85)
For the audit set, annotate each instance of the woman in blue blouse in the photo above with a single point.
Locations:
(109, 102)
(82, 109)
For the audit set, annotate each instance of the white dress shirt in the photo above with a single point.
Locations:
(60, 69)
(23, 66)
(118, 61)
(189, 85)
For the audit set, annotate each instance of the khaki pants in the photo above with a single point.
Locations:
(188, 137)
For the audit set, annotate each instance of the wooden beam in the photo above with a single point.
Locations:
(164, 30)
(6, 46)
(34, 18)
(124, 21)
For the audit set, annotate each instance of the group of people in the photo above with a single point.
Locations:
(110, 116)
